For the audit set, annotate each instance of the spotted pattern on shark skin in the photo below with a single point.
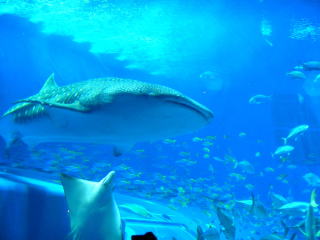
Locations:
(128, 111)
(84, 96)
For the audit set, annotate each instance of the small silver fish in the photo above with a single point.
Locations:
(296, 75)
(311, 65)
(285, 149)
(295, 132)
(259, 98)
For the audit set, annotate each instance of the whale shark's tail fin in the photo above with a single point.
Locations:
(24, 110)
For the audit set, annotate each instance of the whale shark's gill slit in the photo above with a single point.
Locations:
(205, 116)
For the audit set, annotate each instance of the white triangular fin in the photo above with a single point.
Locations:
(77, 192)
(108, 180)
(80, 192)
(49, 84)
(94, 213)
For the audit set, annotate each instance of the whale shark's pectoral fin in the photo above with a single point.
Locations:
(75, 106)
(118, 150)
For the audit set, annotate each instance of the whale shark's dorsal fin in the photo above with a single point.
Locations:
(49, 84)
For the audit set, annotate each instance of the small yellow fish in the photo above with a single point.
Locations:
(184, 154)
(140, 151)
(211, 138)
(282, 177)
(249, 186)
(205, 149)
(207, 144)
(197, 139)
(268, 169)
(242, 134)
(169, 141)
(237, 176)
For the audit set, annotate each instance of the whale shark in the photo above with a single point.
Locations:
(93, 211)
(109, 110)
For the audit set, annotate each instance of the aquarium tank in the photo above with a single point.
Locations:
(159, 119)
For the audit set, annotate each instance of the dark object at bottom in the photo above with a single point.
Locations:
(147, 236)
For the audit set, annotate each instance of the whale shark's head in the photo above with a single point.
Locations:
(149, 112)
(188, 104)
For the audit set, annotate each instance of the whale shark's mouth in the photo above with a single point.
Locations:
(204, 112)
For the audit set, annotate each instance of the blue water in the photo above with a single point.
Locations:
(245, 48)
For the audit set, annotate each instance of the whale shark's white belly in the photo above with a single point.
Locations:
(127, 121)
